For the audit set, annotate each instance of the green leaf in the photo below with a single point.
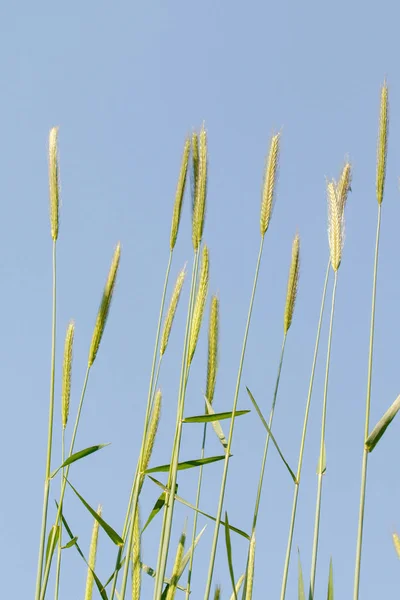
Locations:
(117, 568)
(301, 593)
(214, 417)
(204, 514)
(216, 425)
(188, 464)
(113, 535)
(70, 543)
(330, 582)
(77, 456)
(156, 509)
(382, 425)
(52, 540)
(321, 466)
(263, 421)
(229, 554)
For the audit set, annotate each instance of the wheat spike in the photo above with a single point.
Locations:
(212, 362)
(269, 187)
(382, 143)
(217, 593)
(66, 373)
(344, 186)
(396, 542)
(92, 557)
(169, 319)
(200, 196)
(151, 433)
(136, 560)
(104, 306)
(199, 304)
(250, 572)
(54, 183)
(176, 568)
(180, 191)
(335, 227)
(292, 285)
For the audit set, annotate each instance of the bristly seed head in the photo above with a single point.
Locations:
(335, 225)
(151, 434)
(169, 319)
(54, 183)
(92, 557)
(269, 187)
(200, 302)
(212, 363)
(180, 191)
(199, 208)
(382, 143)
(292, 285)
(344, 185)
(66, 374)
(136, 559)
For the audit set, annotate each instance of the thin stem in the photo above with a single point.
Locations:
(367, 412)
(302, 444)
(50, 432)
(58, 568)
(64, 483)
(230, 437)
(322, 448)
(134, 494)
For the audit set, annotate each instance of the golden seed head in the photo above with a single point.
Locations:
(344, 185)
(180, 191)
(199, 208)
(66, 374)
(382, 143)
(136, 559)
(152, 431)
(200, 302)
(195, 166)
(54, 183)
(176, 569)
(335, 226)
(292, 285)
(396, 542)
(212, 363)
(104, 307)
(269, 186)
(169, 319)
(92, 557)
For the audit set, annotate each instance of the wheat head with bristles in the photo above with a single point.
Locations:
(344, 185)
(136, 560)
(212, 362)
(217, 593)
(169, 319)
(195, 165)
(176, 568)
(92, 557)
(269, 186)
(54, 183)
(66, 373)
(200, 196)
(382, 143)
(180, 191)
(151, 434)
(292, 285)
(335, 226)
(104, 306)
(250, 572)
(200, 302)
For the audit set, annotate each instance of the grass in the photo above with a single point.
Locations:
(126, 573)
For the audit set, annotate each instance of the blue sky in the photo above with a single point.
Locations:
(126, 82)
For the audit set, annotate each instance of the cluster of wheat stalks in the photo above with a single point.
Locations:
(126, 573)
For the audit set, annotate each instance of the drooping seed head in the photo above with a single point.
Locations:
(212, 363)
(199, 208)
(104, 307)
(176, 568)
(335, 225)
(200, 302)
(92, 557)
(269, 186)
(136, 559)
(169, 319)
(382, 143)
(292, 285)
(180, 191)
(66, 374)
(54, 183)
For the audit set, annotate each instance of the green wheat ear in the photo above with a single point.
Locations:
(200, 190)
(66, 373)
(269, 187)
(54, 184)
(292, 284)
(173, 305)
(180, 191)
(199, 304)
(92, 557)
(136, 560)
(212, 362)
(382, 143)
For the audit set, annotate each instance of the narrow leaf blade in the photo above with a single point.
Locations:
(188, 464)
(78, 456)
(214, 417)
(382, 425)
(229, 554)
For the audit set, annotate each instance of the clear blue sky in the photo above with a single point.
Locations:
(126, 82)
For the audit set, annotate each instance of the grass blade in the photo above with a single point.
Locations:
(77, 456)
(187, 464)
(382, 425)
(300, 585)
(229, 554)
(214, 417)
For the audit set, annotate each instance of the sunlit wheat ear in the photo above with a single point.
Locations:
(217, 593)
(344, 185)
(54, 184)
(152, 431)
(92, 557)
(382, 143)
(136, 560)
(104, 306)
(177, 566)
(195, 166)
(199, 208)
(250, 575)
(269, 186)
(180, 191)
(169, 319)
(396, 543)
(292, 284)
(212, 362)
(335, 226)
(200, 302)
(66, 373)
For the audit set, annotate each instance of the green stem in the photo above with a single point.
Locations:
(230, 437)
(302, 444)
(321, 450)
(58, 568)
(367, 412)
(49, 434)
